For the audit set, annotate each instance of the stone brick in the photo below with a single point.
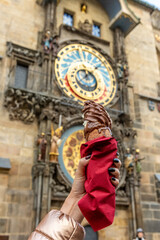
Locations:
(155, 206)
(3, 209)
(25, 183)
(29, 141)
(25, 152)
(147, 188)
(14, 169)
(25, 169)
(148, 197)
(147, 214)
(3, 179)
(13, 209)
(145, 205)
(147, 167)
(20, 225)
(156, 214)
(3, 225)
(156, 236)
(13, 181)
(158, 167)
(152, 226)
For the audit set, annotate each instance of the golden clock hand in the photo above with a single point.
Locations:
(81, 53)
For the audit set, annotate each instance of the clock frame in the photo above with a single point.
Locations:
(83, 73)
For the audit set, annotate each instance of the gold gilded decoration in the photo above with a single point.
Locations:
(84, 8)
(55, 143)
(157, 37)
(83, 73)
(71, 151)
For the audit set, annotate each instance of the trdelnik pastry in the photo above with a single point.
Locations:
(97, 121)
(98, 204)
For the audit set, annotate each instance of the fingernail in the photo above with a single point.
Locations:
(113, 178)
(116, 160)
(88, 157)
(111, 170)
(117, 153)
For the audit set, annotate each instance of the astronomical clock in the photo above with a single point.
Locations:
(83, 74)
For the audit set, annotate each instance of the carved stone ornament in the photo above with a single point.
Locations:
(155, 18)
(14, 50)
(26, 106)
(125, 135)
(85, 26)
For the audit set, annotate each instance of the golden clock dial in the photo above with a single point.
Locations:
(83, 74)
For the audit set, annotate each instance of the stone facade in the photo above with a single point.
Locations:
(23, 112)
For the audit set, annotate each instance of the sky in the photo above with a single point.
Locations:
(156, 3)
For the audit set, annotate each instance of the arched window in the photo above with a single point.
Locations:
(90, 234)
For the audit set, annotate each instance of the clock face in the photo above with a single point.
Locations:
(84, 74)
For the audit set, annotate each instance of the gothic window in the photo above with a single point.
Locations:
(96, 30)
(90, 234)
(21, 76)
(68, 19)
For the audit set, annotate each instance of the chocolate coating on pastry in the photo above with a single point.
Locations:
(95, 117)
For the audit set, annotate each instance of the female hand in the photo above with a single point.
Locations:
(70, 205)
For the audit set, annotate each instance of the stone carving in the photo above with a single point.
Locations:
(122, 69)
(42, 144)
(26, 106)
(151, 105)
(16, 50)
(155, 18)
(59, 185)
(85, 26)
(50, 43)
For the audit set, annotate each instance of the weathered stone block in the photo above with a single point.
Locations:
(147, 214)
(13, 209)
(148, 197)
(3, 225)
(152, 226)
(14, 169)
(29, 141)
(3, 209)
(25, 169)
(155, 206)
(25, 182)
(156, 214)
(147, 167)
(13, 182)
(145, 205)
(157, 167)
(148, 188)
(3, 179)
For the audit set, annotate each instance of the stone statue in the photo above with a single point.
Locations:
(122, 70)
(55, 143)
(85, 26)
(129, 161)
(47, 42)
(42, 143)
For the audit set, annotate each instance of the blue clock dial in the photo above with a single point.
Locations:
(83, 73)
(86, 80)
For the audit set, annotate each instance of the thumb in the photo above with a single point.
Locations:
(82, 165)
